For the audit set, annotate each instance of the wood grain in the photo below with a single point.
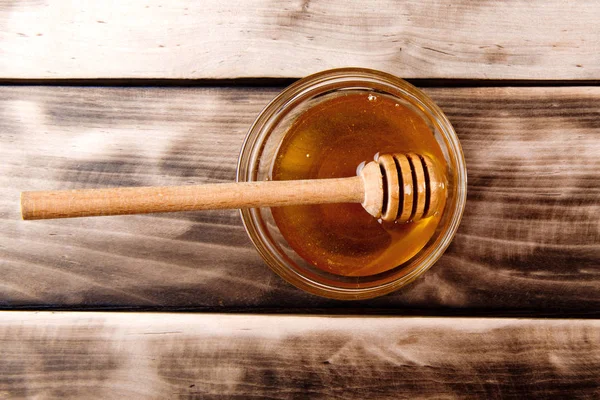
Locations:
(529, 241)
(192, 39)
(113, 355)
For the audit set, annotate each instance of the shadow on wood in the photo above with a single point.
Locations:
(529, 241)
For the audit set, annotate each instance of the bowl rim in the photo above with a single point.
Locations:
(256, 135)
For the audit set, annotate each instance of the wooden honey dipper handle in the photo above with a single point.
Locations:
(143, 200)
(385, 190)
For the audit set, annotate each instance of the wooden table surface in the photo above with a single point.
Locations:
(136, 93)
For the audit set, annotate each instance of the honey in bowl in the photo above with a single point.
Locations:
(331, 140)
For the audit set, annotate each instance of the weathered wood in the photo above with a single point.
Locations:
(113, 355)
(522, 39)
(529, 241)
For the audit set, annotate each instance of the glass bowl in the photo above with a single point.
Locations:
(258, 154)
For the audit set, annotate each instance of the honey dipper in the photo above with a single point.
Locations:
(394, 187)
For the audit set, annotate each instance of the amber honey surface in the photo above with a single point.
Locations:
(331, 140)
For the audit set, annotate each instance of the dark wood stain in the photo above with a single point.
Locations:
(501, 365)
(529, 241)
(34, 359)
(131, 355)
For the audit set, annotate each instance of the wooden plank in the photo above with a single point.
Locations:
(529, 240)
(519, 39)
(112, 355)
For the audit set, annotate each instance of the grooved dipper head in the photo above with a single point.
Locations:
(403, 187)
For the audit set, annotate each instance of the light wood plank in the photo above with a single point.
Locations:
(529, 240)
(104, 355)
(520, 39)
